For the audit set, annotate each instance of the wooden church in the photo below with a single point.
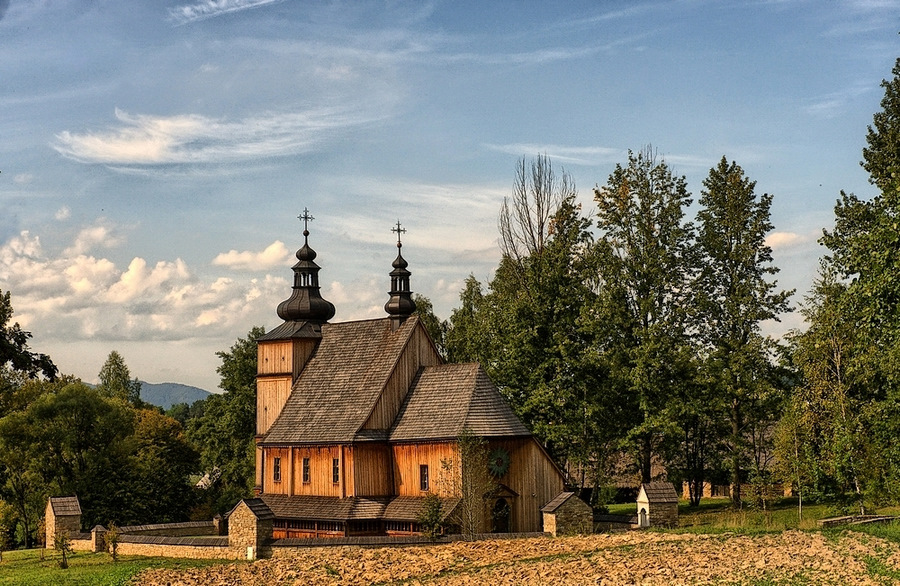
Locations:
(357, 422)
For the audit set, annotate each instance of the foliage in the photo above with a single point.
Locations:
(112, 541)
(63, 544)
(644, 267)
(470, 479)
(224, 434)
(433, 325)
(14, 351)
(732, 297)
(430, 518)
(116, 381)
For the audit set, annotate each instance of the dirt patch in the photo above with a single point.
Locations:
(791, 557)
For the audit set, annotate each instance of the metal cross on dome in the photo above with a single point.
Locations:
(399, 230)
(306, 217)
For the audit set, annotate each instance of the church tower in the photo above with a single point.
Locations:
(283, 352)
(400, 305)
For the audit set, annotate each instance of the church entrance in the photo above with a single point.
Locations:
(500, 516)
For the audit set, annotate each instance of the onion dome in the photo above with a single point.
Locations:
(305, 302)
(400, 305)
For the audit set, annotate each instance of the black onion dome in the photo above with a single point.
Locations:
(305, 302)
(400, 304)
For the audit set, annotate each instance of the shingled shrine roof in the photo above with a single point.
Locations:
(65, 505)
(341, 383)
(445, 399)
(659, 492)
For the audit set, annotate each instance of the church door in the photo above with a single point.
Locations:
(500, 516)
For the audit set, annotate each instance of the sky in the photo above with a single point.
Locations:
(155, 154)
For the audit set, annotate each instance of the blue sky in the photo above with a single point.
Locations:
(155, 154)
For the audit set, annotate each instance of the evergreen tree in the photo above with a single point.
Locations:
(116, 381)
(14, 351)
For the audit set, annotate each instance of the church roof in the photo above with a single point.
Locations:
(332, 508)
(340, 385)
(445, 399)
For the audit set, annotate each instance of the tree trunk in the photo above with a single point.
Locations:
(735, 457)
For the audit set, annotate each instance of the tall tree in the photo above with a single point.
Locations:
(645, 266)
(535, 345)
(225, 433)
(116, 381)
(466, 330)
(733, 295)
(14, 351)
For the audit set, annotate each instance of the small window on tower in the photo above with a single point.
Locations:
(306, 470)
(276, 470)
(335, 470)
(423, 476)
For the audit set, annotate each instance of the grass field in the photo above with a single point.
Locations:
(25, 568)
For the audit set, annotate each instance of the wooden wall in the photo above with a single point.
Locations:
(320, 472)
(533, 476)
(372, 470)
(419, 352)
(272, 393)
(408, 458)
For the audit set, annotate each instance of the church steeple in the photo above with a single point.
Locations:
(400, 305)
(305, 302)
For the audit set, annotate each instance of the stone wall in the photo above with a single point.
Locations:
(664, 515)
(573, 517)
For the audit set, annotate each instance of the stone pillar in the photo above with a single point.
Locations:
(220, 525)
(250, 526)
(98, 539)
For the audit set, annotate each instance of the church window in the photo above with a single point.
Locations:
(305, 469)
(276, 470)
(423, 476)
(335, 470)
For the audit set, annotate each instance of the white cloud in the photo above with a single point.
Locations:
(590, 155)
(274, 255)
(23, 178)
(191, 139)
(72, 296)
(212, 8)
(63, 213)
(92, 237)
(782, 240)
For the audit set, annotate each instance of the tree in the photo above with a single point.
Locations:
(732, 297)
(14, 351)
(225, 433)
(527, 330)
(882, 156)
(116, 381)
(471, 481)
(433, 324)
(644, 268)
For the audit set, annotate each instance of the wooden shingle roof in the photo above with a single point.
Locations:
(258, 507)
(659, 492)
(445, 399)
(65, 505)
(557, 502)
(332, 508)
(341, 383)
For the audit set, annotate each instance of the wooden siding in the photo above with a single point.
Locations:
(418, 352)
(320, 471)
(533, 476)
(372, 470)
(408, 458)
(284, 356)
(271, 394)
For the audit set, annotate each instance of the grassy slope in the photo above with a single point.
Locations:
(25, 568)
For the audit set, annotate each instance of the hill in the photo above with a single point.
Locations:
(167, 394)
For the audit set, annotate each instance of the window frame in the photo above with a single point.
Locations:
(424, 480)
(276, 469)
(306, 472)
(335, 470)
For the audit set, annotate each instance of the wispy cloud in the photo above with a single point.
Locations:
(832, 104)
(213, 8)
(143, 140)
(783, 240)
(274, 255)
(588, 155)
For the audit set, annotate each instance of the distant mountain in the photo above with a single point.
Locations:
(167, 394)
